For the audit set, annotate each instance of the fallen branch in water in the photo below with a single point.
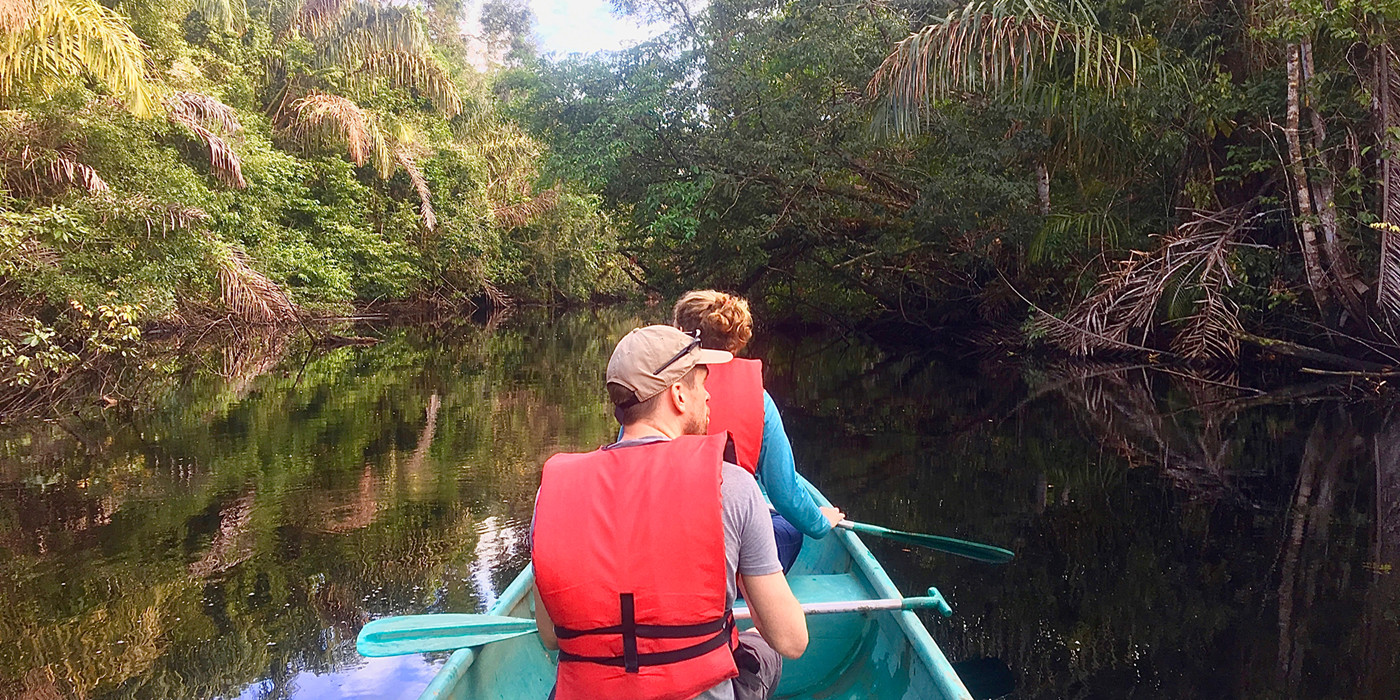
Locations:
(1382, 374)
(1284, 347)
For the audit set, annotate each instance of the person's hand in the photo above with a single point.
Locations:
(833, 514)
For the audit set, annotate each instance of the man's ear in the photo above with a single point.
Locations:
(677, 397)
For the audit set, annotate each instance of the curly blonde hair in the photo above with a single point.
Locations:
(723, 319)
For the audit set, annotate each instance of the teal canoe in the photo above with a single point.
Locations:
(871, 656)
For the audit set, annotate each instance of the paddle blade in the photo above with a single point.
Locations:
(972, 550)
(416, 634)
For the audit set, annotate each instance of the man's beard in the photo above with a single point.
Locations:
(699, 424)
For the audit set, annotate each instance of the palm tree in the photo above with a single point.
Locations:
(999, 47)
(1050, 58)
(320, 118)
(46, 44)
(357, 43)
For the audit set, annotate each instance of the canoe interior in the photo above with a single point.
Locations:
(879, 656)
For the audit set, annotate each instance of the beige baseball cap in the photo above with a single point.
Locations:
(647, 360)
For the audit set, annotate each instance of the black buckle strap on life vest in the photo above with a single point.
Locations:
(629, 633)
(648, 631)
(631, 661)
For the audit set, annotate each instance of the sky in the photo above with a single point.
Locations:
(584, 26)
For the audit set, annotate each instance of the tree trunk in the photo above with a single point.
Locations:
(1312, 252)
(1042, 187)
(1385, 107)
(1340, 269)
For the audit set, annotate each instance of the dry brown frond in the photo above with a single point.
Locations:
(1194, 260)
(168, 216)
(29, 254)
(311, 18)
(522, 213)
(15, 15)
(67, 170)
(197, 113)
(319, 115)
(34, 161)
(499, 299)
(420, 184)
(249, 295)
(194, 108)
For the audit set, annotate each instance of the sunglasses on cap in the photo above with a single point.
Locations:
(689, 348)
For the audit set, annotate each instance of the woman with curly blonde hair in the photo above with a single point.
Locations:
(740, 405)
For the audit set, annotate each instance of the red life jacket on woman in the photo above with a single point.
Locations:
(629, 562)
(736, 407)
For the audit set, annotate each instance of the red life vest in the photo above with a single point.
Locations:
(629, 562)
(736, 406)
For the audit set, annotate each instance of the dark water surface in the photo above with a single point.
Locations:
(1175, 539)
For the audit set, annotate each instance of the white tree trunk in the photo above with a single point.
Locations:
(1306, 218)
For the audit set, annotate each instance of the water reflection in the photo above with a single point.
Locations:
(231, 542)
(1176, 538)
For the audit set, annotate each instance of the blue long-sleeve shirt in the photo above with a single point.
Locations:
(777, 474)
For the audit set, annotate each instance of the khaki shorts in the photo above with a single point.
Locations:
(760, 667)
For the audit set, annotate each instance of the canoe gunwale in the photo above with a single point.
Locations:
(924, 648)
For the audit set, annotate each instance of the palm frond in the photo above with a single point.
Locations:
(163, 216)
(993, 46)
(420, 185)
(346, 32)
(250, 296)
(198, 113)
(510, 156)
(1101, 228)
(311, 18)
(37, 161)
(228, 15)
(521, 213)
(420, 71)
(60, 40)
(319, 117)
(15, 15)
(67, 170)
(1193, 261)
(205, 111)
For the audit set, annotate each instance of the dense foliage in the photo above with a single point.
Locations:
(1215, 166)
(185, 162)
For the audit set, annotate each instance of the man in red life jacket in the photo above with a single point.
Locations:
(638, 547)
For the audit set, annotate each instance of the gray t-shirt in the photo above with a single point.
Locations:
(749, 547)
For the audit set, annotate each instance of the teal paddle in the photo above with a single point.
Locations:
(416, 634)
(972, 550)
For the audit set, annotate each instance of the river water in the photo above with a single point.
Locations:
(1176, 538)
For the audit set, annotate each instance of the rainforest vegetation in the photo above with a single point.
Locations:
(1194, 180)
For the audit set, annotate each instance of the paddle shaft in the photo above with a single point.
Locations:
(972, 550)
(935, 601)
(416, 634)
